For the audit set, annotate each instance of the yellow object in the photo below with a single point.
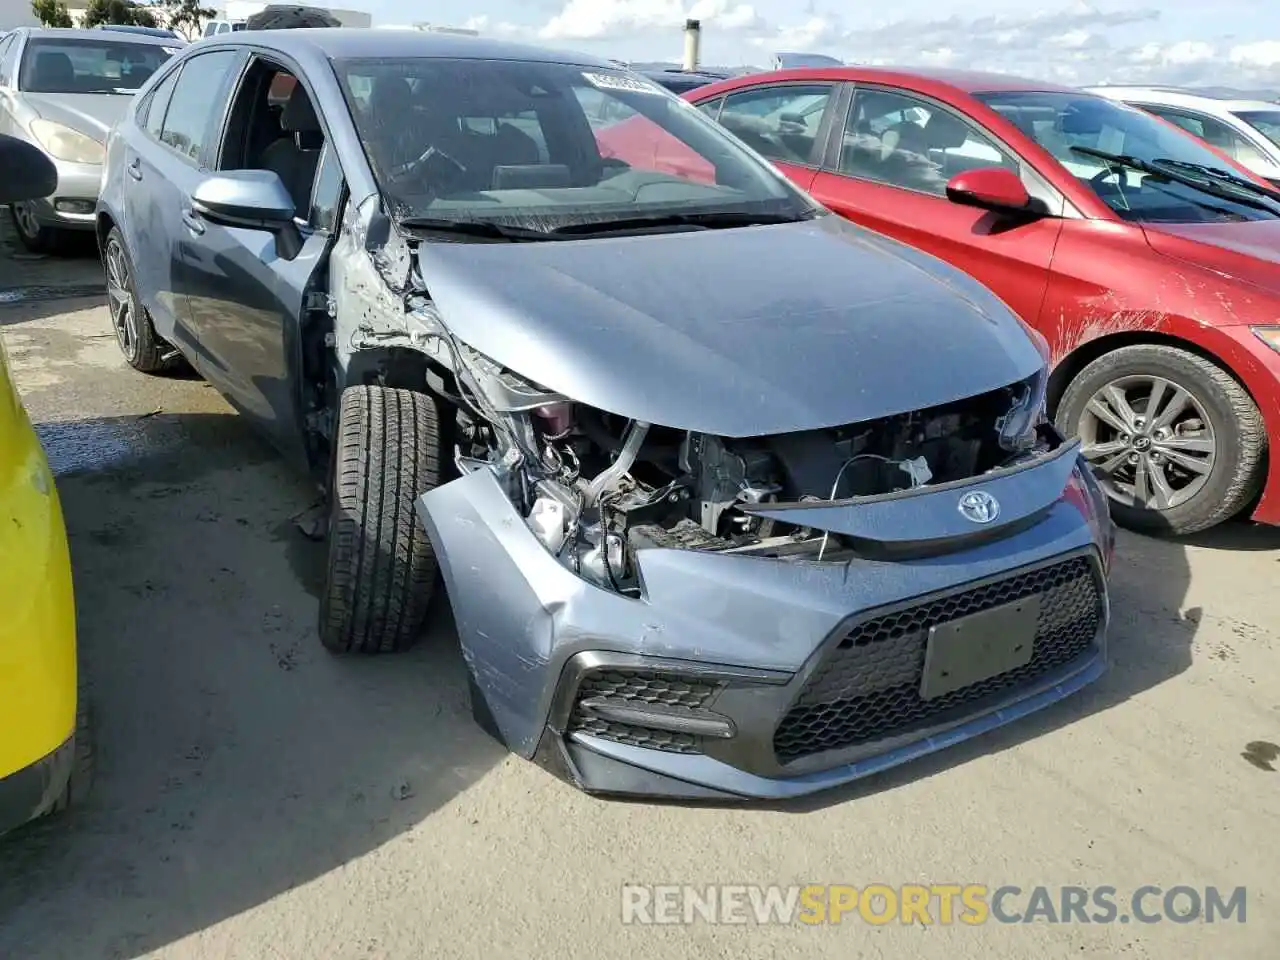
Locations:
(37, 623)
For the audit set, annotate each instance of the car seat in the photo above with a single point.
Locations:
(295, 155)
(53, 72)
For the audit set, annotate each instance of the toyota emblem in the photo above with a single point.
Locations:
(979, 506)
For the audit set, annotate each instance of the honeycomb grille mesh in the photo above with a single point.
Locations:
(639, 688)
(868, 686)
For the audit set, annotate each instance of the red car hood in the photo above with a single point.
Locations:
(1247, 251)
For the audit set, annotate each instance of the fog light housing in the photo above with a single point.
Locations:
(81, 207)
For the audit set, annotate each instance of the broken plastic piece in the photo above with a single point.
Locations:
(917, 468)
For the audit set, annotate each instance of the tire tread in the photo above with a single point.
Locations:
(382, 568)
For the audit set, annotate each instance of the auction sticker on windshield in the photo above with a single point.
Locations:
(606, 81)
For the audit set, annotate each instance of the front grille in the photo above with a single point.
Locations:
(868, 686)
(638, 688)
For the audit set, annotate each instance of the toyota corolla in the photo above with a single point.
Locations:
(731, 497)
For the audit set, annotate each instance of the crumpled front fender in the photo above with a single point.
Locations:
(521, 615)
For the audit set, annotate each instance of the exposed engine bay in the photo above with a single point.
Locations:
(597, 488)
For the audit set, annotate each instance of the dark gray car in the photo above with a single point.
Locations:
(730, 497)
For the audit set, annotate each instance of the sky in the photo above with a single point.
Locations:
(1218, 42)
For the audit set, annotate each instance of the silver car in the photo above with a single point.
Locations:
(730, 496)
(63, 90)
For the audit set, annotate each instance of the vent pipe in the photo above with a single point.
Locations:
(692, 41)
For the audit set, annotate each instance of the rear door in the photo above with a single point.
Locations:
(787, 123)
(887, 169)
(165, 171)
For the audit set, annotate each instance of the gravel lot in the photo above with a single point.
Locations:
(257, 798)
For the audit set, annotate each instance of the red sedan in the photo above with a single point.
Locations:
(1145, 258)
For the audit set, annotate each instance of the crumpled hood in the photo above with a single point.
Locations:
(741, 332)
(1248, 251)
(89, 113)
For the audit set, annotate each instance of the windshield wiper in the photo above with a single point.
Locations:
(485, 229)
(699, 221)
(1200, 180)
(1218, 173)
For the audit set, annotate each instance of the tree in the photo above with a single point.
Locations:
(51, 13)
(186, 17)
(124, 12)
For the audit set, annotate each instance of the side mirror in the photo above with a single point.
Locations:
(28, 173)
(250, 200)
(990, 188)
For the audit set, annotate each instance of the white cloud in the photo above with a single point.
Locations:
(1264, 53)
(1075, 43)
(610, 19)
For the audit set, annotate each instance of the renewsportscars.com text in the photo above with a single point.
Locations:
(964, 904)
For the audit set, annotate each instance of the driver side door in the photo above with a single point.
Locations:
(248, 300)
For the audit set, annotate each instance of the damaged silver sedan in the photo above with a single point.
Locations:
(730, 497)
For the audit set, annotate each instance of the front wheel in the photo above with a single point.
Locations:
(381, 569)
(1175, 441)
(34, 235)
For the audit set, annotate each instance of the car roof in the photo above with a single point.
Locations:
(108, 36)
(340, 43)
(921, 78)
(1175, 97)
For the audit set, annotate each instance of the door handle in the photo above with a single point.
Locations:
(194, 223)
(135, 168)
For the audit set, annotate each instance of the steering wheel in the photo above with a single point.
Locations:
(1098, 178)
(434, 162)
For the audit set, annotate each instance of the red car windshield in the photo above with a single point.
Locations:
(1076, 127)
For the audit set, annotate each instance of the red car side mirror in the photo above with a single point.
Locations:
(990, 188)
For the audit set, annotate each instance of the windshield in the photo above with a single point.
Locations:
(522, 143)
(108, 65)
(1060, 121)
(1266, 122)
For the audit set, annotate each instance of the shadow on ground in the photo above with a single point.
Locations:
(235, 758)
(42, 283)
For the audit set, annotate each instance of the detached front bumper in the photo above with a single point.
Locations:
(740, 676)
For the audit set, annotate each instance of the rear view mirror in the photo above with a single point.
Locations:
(28, 173)
(990, 188)
(250, 200)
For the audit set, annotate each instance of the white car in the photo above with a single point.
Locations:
(1248, 131)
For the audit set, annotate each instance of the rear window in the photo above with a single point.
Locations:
(73, 65)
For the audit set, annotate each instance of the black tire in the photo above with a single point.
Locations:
(143, 348)
(382, 567)
(81, 779)
(1240, 439)
(36, 237)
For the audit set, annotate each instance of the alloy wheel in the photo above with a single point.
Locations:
(124, 312)
(24, 216)
(1149, 441)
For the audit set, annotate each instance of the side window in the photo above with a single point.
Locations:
(194, 101)
(326, 195)
(902, 141)
(712, 107)
(779, 122)
(1215, 133)
(153, 112)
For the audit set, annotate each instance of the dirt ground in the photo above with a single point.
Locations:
(257, 798)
